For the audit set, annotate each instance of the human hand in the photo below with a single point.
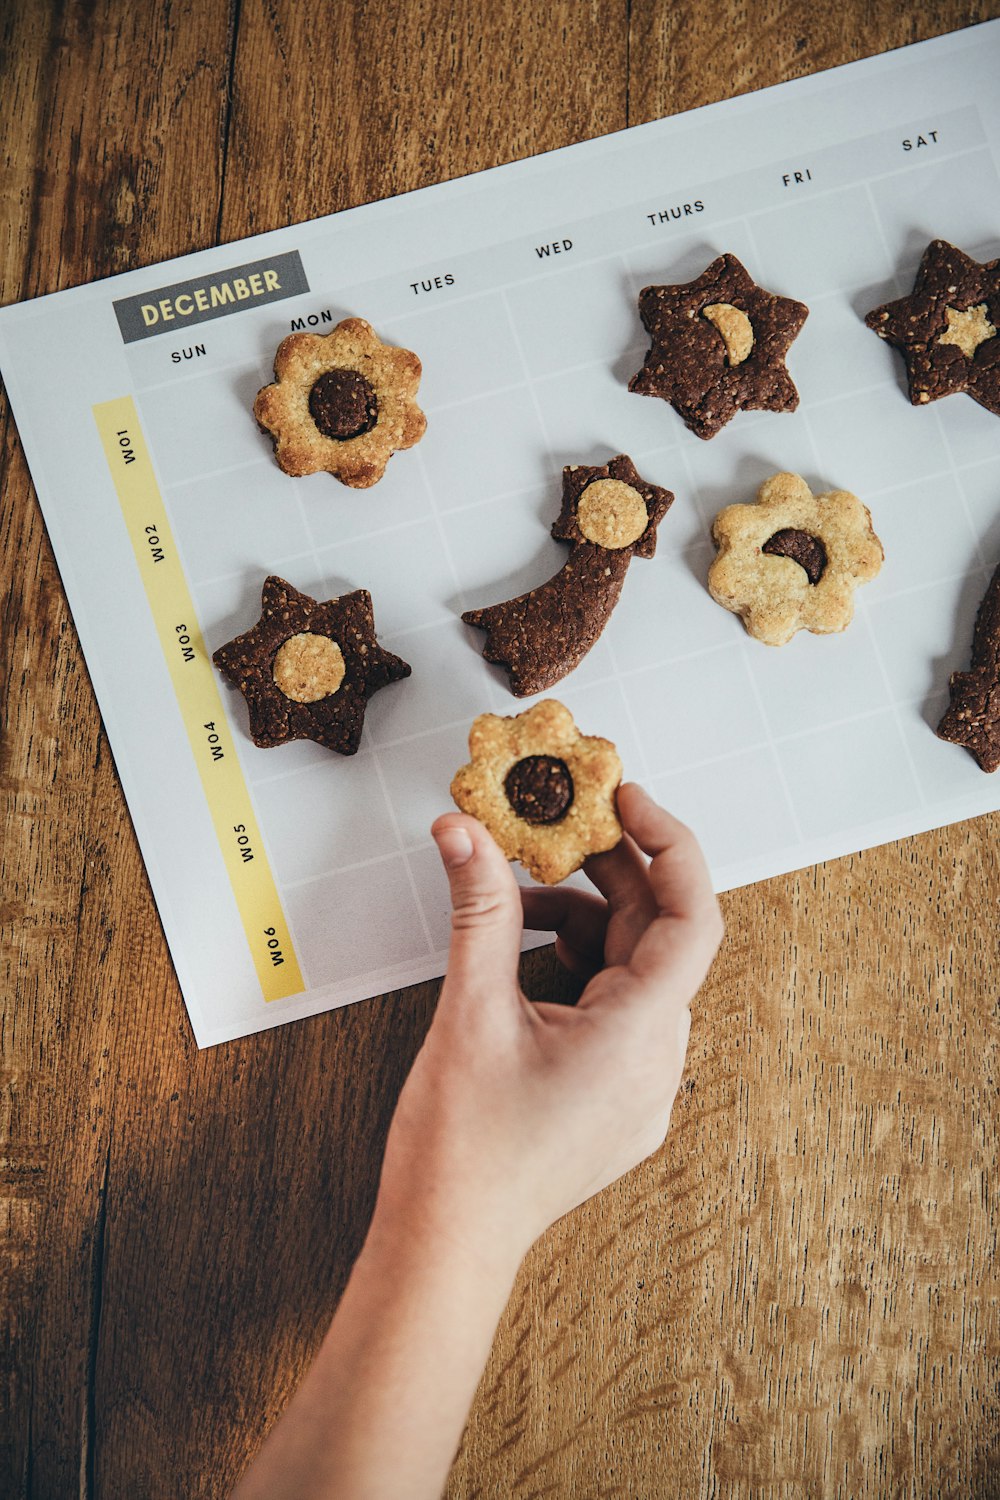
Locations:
(514, 1111)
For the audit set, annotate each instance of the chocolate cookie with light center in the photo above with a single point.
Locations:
(718, 346)
(946, 329)
(609, 515)
(973, 717)
(307, 669)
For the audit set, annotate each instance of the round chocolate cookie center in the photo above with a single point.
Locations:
(343, 405)
(807, 550)
(308, 667)
(611, 514)
(539, 789)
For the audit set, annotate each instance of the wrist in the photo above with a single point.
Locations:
(424, 1236)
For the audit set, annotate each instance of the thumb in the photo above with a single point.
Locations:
(486, 918)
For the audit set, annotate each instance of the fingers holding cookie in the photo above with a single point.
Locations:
(545, 791)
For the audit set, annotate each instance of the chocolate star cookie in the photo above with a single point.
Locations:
(973, 719)
(946, 329)
(609, 515)
(341, 401)
(308, 669)
(718, 346)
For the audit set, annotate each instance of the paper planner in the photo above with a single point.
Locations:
(293, 880)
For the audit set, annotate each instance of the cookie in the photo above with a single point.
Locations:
(946, 329)
(973, 719)
(342, 402)
(609, 515)
(718, 346)
(792, 560)
(545, 791)
(308, 669)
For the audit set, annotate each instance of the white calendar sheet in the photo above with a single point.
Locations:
(517, 288)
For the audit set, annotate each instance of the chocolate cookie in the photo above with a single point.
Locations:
(793, 560)
(342, 402)
(718, 346)
(609, 515)
(973, 719)
(946, 329)
(545, 791)
(308, 669)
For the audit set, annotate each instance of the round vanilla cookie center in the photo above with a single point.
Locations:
(308, 667)
(611, 514)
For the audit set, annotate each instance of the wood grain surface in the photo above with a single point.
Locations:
(799, 1294)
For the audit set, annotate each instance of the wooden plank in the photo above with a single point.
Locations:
(91, 185)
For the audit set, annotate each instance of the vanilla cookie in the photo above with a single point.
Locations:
(792, 560)
(342, 402)
(545, 791)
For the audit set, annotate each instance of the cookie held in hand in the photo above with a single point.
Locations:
(792, 560)
(342, 402)
(973, 718)
(718, 346)
(308, 669)
(545, 791)
(946, 329)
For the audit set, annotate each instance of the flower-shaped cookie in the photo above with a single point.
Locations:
(793, 560)
(341, 402)
(946, 329)
(307, 669)
(545, 791)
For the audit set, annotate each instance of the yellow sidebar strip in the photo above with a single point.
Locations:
(194, 682)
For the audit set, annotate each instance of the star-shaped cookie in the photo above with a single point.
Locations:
(718, 346)
(308, 669)
(973, 719)
(946, 329)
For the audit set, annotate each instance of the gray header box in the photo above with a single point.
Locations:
(170, 309)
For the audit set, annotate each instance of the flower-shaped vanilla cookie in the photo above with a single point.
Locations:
(342, 402)
(793, 560)
(545, 791)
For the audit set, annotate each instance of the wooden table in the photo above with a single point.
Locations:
(798, 1295)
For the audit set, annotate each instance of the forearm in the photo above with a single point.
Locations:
(380, 1414)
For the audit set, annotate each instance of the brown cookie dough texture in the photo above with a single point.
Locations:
(307, 669)
(609, 515)
(718, 346)
(792, 560)
(545, 791)
(342, 402)
(946, 329)
(973, 718)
